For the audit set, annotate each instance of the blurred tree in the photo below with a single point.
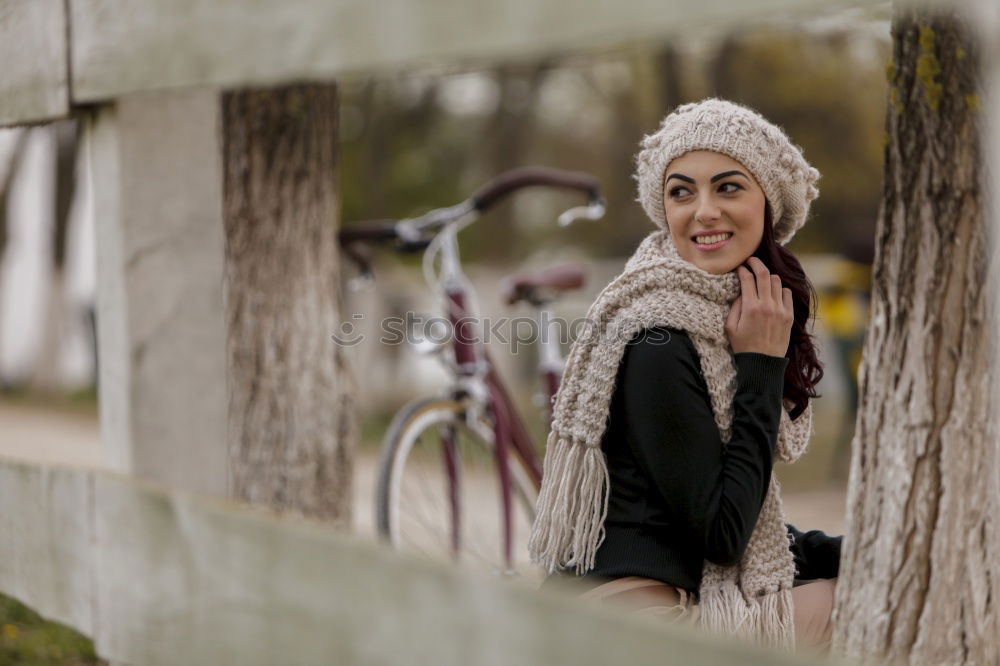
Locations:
(292, 415)
(669, 65)
(843, 308)
(505, 138)
(6, 180)
(45, 377)
(588, 112)
(656, 84)
(401, 147)
(831, 101)
(511, 125)
(919, 577)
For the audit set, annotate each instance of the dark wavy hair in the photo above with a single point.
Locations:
(804, 369)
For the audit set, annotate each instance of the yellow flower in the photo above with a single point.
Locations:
(10, 631)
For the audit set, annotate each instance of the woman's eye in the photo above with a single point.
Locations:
(725, 188)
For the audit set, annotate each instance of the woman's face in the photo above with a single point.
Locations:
(706, 194)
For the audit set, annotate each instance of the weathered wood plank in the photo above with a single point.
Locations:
(33, 76)
(186, 579)
(122, 46)
(160, 323)
(46, 540)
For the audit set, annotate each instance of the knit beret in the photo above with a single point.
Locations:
(743, 134)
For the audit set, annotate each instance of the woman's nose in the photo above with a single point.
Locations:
(707, 208)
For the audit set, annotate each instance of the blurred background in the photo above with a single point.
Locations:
(420, 139)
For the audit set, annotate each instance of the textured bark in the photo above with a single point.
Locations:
(920, 577)
(291, 412)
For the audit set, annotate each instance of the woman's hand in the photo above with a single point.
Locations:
(760, 319)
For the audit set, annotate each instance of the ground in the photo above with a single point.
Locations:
(72, 437)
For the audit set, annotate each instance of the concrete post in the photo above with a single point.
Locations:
(161, 332)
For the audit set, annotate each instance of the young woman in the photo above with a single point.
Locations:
(695, 376)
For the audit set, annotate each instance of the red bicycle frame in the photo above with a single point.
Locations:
(510, 433)
(478, 385)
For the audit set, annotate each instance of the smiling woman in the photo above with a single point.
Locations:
(657, 487)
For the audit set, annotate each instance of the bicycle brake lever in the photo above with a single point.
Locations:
(592, 211)
(407, 231)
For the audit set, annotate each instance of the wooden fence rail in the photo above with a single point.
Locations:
(104, 49)
(159, 576)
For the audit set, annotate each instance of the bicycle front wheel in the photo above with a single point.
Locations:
(439, 490)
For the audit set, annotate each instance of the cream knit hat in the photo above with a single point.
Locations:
(743, 134)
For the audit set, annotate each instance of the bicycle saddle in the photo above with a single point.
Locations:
(542, 286)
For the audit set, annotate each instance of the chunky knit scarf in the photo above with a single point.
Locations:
(658, 288)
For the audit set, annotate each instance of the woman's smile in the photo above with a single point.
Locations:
(711, 242)
(714, 210)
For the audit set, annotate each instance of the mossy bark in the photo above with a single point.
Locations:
(920, 580)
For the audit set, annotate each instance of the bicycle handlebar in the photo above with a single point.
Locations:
(515, 179)
(409, 235)
(375, 230)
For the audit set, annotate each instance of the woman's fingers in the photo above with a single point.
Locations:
(733, 318)
(776, 290)
(748, 283)
(761, 316)
(763, 278)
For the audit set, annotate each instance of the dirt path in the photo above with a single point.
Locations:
(57, 437)
(49, 436)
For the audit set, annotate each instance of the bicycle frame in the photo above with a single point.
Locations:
(478, 391)
(475, 369)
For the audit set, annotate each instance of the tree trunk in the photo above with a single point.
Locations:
(920, 579)
(509, 134)
(47, 374)
(291, 413)
(8, 172)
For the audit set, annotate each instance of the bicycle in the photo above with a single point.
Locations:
(443, 456)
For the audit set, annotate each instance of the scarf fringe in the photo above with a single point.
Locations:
(571, 508)
(767, 620)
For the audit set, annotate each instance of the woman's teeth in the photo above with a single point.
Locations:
(714, 238)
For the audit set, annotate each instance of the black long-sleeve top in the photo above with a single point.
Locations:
(677, 495)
